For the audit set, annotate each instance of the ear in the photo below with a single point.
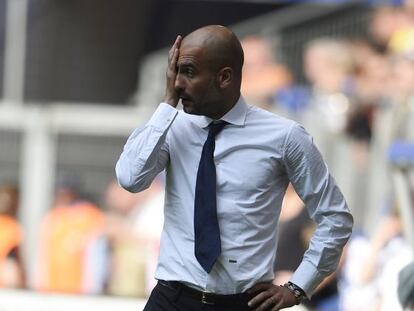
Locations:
(225, 77)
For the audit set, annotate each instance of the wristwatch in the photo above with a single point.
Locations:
(296, 291)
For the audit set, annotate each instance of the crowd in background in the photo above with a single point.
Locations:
(359, 107)
(358, 103)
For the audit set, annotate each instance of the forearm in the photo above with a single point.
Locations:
(146, 152)
(334, 228)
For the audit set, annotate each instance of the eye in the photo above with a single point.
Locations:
(189, 72)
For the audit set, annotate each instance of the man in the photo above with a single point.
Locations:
(218, 242)
(12, 272)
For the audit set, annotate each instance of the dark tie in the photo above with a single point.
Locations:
(206, 227)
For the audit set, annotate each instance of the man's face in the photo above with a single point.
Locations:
(196, 82)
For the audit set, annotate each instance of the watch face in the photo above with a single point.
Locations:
(296, 290)
(298, 295)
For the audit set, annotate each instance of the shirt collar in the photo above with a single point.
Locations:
(236, 115)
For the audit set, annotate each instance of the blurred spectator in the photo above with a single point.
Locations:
(73, 251)
(11, 233)
(394, 118)
(387, 21)
(267, 82)
(263, 75)
(149, 225)
(370, 273)
(398, 39)
(133, 229)
(409, 5)
(328, 66)
(127, 261)
(388, 253)
(402, 41)
(402, 82)
(371, 74)
(372, 71)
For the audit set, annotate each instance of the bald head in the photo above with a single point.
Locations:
(209, 64)
(221, 46)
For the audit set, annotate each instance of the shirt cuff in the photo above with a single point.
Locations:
(163, 116)
(307, 278)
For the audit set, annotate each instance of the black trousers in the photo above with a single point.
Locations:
(165, 298)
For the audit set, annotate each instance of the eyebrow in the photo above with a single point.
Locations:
(186, 64)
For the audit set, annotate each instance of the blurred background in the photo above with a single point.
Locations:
(76, 77)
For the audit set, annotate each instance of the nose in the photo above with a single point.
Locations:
(179, 83)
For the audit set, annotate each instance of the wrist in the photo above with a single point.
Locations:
(296, 291)
(171, 99)
(171, 102)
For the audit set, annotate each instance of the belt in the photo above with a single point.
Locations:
(206, 297)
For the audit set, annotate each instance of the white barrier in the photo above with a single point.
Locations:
(20, 300)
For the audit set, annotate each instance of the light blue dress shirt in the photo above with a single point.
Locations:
(256, 156)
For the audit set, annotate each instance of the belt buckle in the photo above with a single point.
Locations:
(205, 300)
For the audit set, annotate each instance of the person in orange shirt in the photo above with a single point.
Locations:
(73, 250)
(11, 265)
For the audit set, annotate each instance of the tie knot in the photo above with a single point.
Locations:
(216, 127)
